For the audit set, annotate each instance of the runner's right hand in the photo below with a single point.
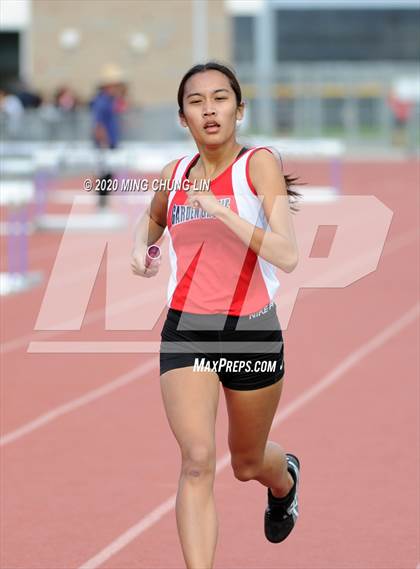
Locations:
(138, 264)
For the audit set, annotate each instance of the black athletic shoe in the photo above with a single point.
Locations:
(281, 513)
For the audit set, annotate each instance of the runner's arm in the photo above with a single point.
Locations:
(279, 245)
(152, 224)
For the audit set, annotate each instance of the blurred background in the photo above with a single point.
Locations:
(88, 92)
(346, 69)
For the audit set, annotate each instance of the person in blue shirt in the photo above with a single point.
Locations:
(106, 121)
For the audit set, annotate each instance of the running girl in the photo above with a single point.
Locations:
(225, 246)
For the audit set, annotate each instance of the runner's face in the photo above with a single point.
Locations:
(210, 108)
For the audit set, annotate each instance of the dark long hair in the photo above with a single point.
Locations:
(290, 180)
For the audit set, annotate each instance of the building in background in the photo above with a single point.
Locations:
(325, 66)
(14, 47)
(51, 43)
(308, 67)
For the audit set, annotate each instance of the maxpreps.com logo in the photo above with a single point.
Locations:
(183, 213)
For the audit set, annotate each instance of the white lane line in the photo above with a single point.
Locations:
(70, 406)
(331, 276)
(396, 244)
(92, 317)
(93, 395)
(351, 360)
(335, 374)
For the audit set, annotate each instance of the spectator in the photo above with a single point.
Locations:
(105, 112)
(66, 103)
(50, 117)
(121, 101)
(401, 111)
(65, 99)
(13, 111)
(28, 98)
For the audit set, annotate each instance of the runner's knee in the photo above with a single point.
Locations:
(198, 460)
(246, 468)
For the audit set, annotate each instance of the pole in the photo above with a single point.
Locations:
(265, 39)
(199, 31)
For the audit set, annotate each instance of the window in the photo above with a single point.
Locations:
(347, 34)
(243, 39)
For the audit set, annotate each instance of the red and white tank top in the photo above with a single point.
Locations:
(212, 270)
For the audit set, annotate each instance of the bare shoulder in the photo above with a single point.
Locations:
(165, 174)
(265, 158)
(265, 168)
(168, 170)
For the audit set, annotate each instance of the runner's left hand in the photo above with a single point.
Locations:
(206, 200)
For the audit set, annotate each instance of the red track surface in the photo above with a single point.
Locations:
(75, 484)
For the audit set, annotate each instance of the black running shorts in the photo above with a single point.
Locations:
(246, 352)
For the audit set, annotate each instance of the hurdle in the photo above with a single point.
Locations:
(16, 195)
(75, 160)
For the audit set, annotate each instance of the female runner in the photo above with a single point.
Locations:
(225, 246)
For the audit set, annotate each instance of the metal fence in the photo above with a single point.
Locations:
(49, 124)
(357, 118)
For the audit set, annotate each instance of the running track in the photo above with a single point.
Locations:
(89, 466)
